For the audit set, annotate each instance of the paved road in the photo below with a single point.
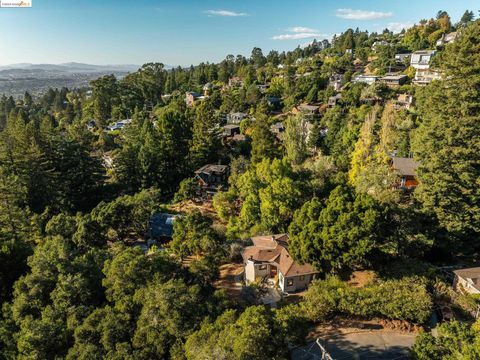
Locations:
(359, 346)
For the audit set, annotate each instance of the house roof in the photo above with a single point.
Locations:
(274, 249)
(161, 225)
(212, 168)
(394, 77)
(472, 274)
(239, 114)
(469, 273)
(307, 107)
(451, 35)
(424, 52)
(231, 126)
(273, 99)
(405, 166)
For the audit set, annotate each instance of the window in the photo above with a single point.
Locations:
(302, 277)
(263, 267)
(289, 282)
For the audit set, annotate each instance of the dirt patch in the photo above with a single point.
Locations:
(205, 207)
(230, 279)
(360, 279)
(188, 206)
(342, 325)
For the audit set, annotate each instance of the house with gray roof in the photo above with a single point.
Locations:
(407, 170)
(467, 280)
(160, 226)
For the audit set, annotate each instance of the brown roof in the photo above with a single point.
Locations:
(405, 166)
(274, 249)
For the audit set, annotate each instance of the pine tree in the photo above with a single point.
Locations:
(447, 142)
(205, 143)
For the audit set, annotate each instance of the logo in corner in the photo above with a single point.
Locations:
(15, 3)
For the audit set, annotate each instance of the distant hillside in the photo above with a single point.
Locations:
(15, 79)
(72, 67)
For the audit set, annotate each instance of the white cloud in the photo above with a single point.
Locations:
(397, 27)
(300, 32)
(301, 29)
(297, 36)
(227, 13)
(352, 14)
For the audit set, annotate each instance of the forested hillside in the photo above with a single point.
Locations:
(76, 193)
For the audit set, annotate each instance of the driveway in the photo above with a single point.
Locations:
(371, 345)
(271, 297)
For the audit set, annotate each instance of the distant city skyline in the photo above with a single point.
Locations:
(189, 32)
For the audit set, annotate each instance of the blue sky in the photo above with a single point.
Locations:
(190, 31)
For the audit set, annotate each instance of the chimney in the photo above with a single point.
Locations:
(274, 238)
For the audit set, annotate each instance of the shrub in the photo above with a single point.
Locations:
(405, 299)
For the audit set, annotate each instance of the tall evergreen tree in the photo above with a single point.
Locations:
(447, 142)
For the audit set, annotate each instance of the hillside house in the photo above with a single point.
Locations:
(467, 280)
(378, 43)
(422, 59)
(333, 100)
(336, 81)
(211, 178)
(263, 87)
(368, 79)
(278, 129)
(394, 80)
(404, 101)
(310, 111)
(274, 102)
(231, 130)
(426, 76)
(160, 227)
(447, 38)
(91, 124)
(119, 125)
(235, 81)
(401, 59)
(269, 259)
(236, 118)
(207, 89)
(191, 97)
(407, 170)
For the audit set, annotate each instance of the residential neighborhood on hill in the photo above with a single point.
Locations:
(319, 201)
